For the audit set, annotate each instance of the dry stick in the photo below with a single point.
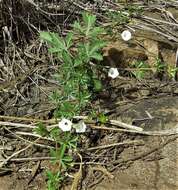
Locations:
(156, 31)
(19, 125)
(29, 159)
(124, 125)
(27, 141)
(16, 153)
(27, 119)
(88, 163)
(50, 158)
(77, 176)
(159, 21)
(150, 28)
(115, 144)
(133, 129)
(113, 122)
(150, 133)
(162, 29)
(33, 135)
(103, 170)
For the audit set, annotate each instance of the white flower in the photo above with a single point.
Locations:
(80, 127)
(113, 73)
(126, 35)
(65, 125)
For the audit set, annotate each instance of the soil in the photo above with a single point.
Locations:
(151, 165)
(157, 170)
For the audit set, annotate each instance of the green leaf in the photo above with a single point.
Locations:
(89, 21)
(41, 130)
(75, 73)
(46, 36)
(72, 142)
(68, 40)
(102, 118)
(58, 41)
(97, 45)
(97, 85)
(49, 174)
(140, 72)
(77, 62)
(53, 152)
(87, 49)
(67, 59)
(55, 133)
(54, 40)
(77, 26)
(53, 180)
(67, 159)
(97, 56)
(96, 31)
(67, 110)
(91, 50)
(54, 50)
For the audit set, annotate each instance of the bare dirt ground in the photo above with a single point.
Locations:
(128, 161)
(153, 165)
(149, 164)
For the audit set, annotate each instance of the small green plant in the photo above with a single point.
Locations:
(102, 118)
(117, 18)
(141, 69)
(76, 76)
(167, 68)
(62, 158)
(159, 66)
(54, 180)
(171, 71)
(134, 10)
(99, 117)
(78, 80)
(41, 130)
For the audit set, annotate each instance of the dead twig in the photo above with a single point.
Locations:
(115, 144)
(168, 132)
(17, 125)
(125, 125)
(77, 176)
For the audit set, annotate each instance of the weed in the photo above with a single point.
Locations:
(76, 76)
(102, 118)
(140, 69)
(160, 66)
(122, 17)
(172, 71)
(54, 180)
(167, 68)
(78, 80)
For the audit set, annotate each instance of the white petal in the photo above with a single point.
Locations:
(126, 35)
(65, 125)
(113, 73)
(80, 127)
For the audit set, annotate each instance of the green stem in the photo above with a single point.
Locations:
(63, 149)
